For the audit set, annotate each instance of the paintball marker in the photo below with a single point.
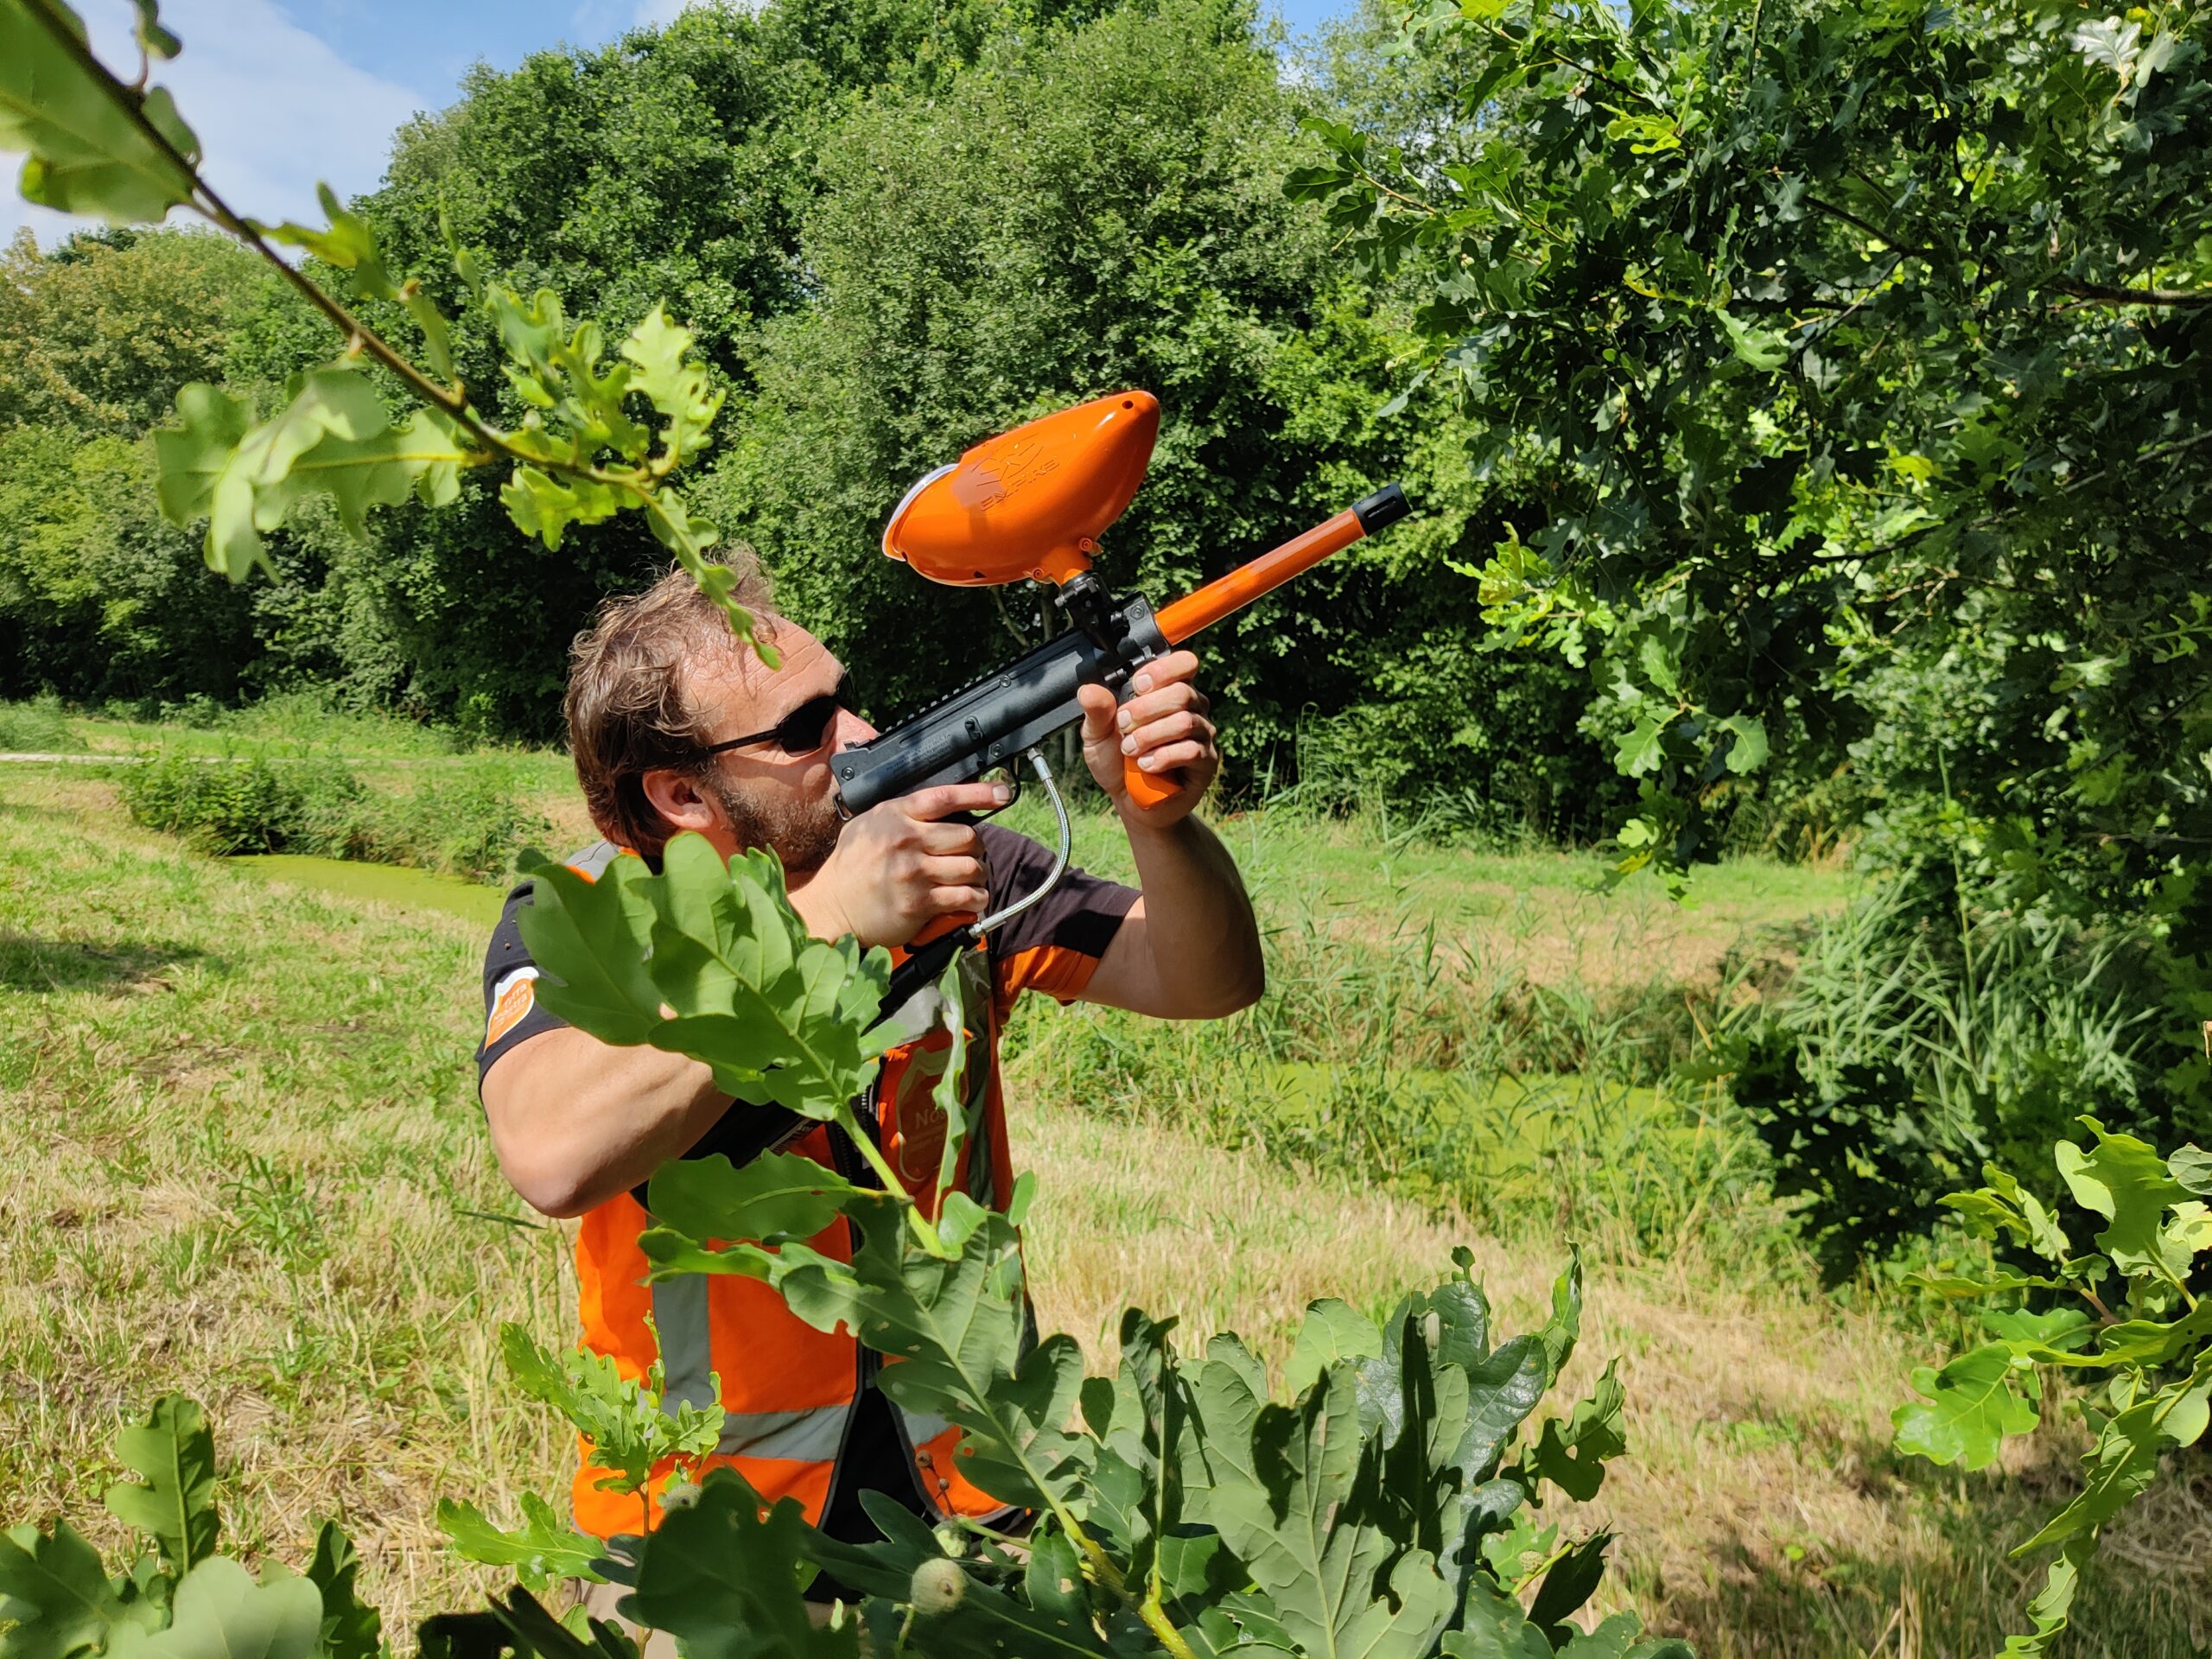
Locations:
(1031, 503)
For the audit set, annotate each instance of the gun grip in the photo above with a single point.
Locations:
(937, 930)
(1148, 789)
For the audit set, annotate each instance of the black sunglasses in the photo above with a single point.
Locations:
(801, 731)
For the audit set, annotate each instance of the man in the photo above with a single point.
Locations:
(675, 727)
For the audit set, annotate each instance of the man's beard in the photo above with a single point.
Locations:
(802, 833)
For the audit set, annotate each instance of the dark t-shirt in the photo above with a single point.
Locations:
(1052, 947)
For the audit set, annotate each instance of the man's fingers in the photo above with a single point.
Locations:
(1182, 697)
(953, 872)
(1174, 755)
(959, 901)
(945, 840)
(1163, 670)
(946, 798)
(1098, 712)
(1168, 728)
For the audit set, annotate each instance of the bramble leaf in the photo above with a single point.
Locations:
(543, 1551)
(220, 1612)
(86, 152)
(709, 960)
(1971, 1405)
(53, 1586)
(2125, 1180)
(725, 1579)
(630, 1429)
(351, 1628)
(1573, 1458)
(777, 1195)
(173, 1453)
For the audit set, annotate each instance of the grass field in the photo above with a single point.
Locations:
(240, 1154)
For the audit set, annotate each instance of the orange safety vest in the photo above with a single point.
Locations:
(787, 1390)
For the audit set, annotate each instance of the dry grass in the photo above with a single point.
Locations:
(240, 1155)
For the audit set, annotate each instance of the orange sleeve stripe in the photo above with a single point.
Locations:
(1054, 970)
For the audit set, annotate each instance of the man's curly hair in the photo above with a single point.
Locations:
(628, 711)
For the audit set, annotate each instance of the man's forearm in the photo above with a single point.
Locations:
(1200, 928)
(575, 1120)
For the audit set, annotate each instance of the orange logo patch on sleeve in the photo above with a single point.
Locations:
(510, 999)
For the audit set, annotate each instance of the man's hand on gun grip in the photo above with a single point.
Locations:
(1163, 728)
(897, 868)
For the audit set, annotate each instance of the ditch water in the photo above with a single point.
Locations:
(388, 883)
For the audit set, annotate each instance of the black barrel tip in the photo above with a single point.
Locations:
(1383, 508)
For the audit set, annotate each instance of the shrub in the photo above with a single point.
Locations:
(36, 727)
(1912, 1046)
(467, 822)
(226, 806)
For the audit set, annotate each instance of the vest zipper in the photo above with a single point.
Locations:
(866, 1363)
(848, 1163)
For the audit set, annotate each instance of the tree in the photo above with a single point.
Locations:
(97, 335)
(1092, 209)
(1866, 350)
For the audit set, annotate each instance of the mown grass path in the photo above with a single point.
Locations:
(240, 1154)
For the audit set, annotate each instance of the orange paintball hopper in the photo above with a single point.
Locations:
(1032, 502)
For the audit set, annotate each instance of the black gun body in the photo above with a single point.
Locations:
(958, 738)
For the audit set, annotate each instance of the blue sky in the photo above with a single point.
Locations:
(285, 92)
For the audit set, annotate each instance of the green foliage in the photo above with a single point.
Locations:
(127, 159)
(468, 821)
(173, 1501)
(97, 335)
(545, 1551)
(1095, 208)
(1918, 1039)
(182, 1600)
(98, 594)
(1181, 1508)
(702, 960)
(99, 145)
(631, 1433)
(226, 806)
(1841, 330)
(220, 1611)
(2149, 1347)
(36, 727)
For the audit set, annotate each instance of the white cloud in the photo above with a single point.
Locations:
(274, 108)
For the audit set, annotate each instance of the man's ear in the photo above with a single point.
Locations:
(682, 803)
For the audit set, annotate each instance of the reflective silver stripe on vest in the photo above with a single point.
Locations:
(687, 1368)
(811, 1436)
(687, 1356)
(922, 1426)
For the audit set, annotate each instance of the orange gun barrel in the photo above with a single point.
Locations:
(1233, 592)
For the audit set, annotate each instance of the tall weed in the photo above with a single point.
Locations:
(36, 726)
(1420, 1064)
(1913, 1044)
(468, 819)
